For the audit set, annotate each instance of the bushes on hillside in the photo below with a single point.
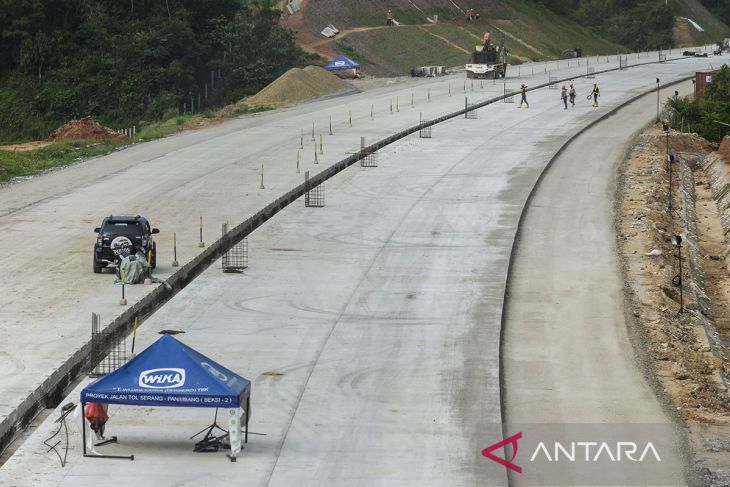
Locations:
(701, 116)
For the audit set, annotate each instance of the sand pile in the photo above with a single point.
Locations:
(326, 79)
(85, 129)
(298, 85)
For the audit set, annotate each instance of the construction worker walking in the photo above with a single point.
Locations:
(595, 93)
(524, 96)
(571, 94)
(564, 96)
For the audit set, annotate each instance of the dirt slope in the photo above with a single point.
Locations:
(694, 10)
(85, 128)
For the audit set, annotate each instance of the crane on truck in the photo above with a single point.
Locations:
(487, 60)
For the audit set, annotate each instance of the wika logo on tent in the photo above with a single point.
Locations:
(167, 378)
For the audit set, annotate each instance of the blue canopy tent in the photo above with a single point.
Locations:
(169, 373)
(342, 63)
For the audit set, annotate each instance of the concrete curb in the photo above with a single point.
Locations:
(529, 199)
(51, 390)
(525, 208)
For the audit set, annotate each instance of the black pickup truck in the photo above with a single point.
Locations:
(120, 235)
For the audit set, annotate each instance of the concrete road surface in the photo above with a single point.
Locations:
(567, 356)
(381, 310)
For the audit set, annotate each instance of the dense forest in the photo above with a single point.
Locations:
(126, 61)
(638, 25)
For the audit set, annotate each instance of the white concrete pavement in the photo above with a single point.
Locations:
(46, 223)
(567, 355)
(392, 293)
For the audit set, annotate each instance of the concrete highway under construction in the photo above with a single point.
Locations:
(467, 279)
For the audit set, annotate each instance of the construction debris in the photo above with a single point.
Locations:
(85, 128)
(330, 31)
(681, 334)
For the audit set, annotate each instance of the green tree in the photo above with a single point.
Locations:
(702, 115)
(126, 61)
(719, 89)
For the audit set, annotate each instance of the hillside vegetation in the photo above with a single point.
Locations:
(702, 116)
(720, 8)
(534, 30)
(137, 62)
(123, 62)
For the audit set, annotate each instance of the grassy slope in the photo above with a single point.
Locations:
(469, 34)
(17, 164)
(394, 51)
(552, 33)
(544, 34)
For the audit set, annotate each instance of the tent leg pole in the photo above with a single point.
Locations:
(83, 425)
(83, 433)
(121, 457)
(248, 409)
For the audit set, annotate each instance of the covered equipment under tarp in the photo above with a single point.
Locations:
(169, 373)
(342, 64)
(134, 269)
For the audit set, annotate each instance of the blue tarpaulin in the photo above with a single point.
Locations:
(341, 62)
(169, 373)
